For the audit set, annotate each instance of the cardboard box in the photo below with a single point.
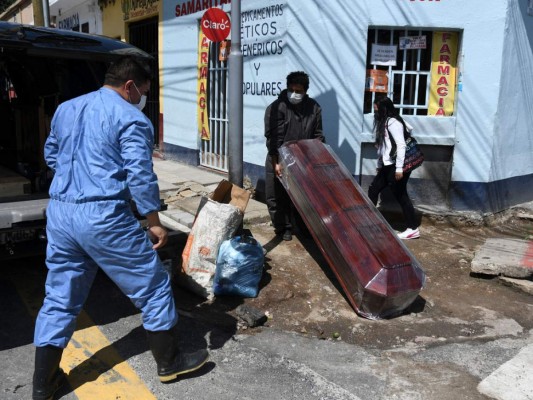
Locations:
(228, 193)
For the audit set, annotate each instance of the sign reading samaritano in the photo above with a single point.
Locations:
(194, 6)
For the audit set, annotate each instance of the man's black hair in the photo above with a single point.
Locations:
(126, 68)
(298, 78)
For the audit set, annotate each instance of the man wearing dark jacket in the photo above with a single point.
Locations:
(293, 116)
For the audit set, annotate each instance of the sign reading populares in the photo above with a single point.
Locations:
(263, 41)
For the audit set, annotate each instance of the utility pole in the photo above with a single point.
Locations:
(46, 13)
(235, 140)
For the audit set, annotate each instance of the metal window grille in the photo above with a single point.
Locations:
(408, 80)
(214, 152)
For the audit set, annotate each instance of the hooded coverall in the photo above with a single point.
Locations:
(100, 148)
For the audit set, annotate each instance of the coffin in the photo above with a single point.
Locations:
(377, 272)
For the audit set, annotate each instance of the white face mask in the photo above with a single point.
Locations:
(294, 97)
(140, 105)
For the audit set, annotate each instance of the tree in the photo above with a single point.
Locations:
(5, 4)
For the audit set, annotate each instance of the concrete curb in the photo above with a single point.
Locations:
(512, 380)
(509, 257)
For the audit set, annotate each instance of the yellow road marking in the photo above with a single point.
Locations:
(96, 370)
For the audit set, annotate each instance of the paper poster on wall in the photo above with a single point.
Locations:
(443, 74)
(377, 81)
(203, 69)
(383, 55)
(412, 42)
(224, 49)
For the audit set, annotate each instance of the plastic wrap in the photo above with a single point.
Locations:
(377, 272)
(240, 265)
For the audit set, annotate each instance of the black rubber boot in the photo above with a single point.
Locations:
(170, 361)
(47, 377)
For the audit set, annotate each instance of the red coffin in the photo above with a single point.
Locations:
(378, 273)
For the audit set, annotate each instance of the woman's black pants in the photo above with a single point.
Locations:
(386, 178)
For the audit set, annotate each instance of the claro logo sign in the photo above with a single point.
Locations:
(215, 24)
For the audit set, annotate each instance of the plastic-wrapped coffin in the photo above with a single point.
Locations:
(377, 272)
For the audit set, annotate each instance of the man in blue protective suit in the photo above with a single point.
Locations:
(100, 149)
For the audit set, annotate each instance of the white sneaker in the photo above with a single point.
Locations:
(409, 234)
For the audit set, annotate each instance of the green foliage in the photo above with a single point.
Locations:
(5, 4)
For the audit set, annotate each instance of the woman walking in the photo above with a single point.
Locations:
(391, 153)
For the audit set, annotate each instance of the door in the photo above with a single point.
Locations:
(144, 35)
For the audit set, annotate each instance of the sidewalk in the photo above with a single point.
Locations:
(182, 187)
(188, 184)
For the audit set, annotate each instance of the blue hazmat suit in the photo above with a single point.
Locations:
(100, 148)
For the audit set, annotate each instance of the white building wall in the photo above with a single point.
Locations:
(178, 77)
(512, 151)
(328, 40)
(66, 13)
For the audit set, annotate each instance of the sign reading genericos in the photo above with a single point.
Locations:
(215, 24)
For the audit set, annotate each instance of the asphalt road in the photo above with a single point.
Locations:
(108, 357)
(115, 362)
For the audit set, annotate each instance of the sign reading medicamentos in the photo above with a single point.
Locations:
(215, 24)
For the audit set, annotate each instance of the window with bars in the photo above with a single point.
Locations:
(407, 81)
(214, 152)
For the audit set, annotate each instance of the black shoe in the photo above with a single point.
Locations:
(47, 377)
(184, 363)
(170, 361)
(287, 235)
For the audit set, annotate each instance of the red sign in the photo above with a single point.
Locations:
(215, 24)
